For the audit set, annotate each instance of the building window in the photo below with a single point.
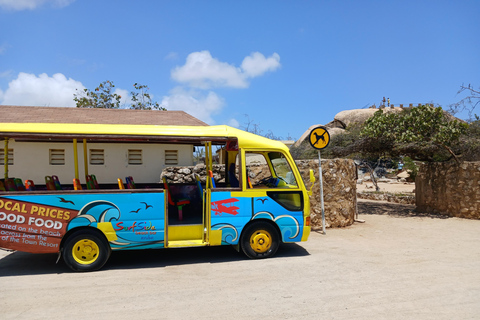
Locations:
(135, 156)
(171, 157)
(57, 157)
(97, 156)
(10, 157)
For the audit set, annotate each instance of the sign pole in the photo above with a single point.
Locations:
(321, 190)
(319, 138)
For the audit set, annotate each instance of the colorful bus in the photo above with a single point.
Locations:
(87, 218)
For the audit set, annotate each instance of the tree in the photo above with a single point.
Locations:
(420, 133)
(469, 103)
(104, 96)
(252, 127)
(142, 99)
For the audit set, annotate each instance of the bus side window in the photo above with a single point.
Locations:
(257, 169)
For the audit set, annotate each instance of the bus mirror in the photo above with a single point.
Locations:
(312, 181)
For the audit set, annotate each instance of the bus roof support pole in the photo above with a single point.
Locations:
(208, 163)
(321, 191)
(6, 159)
(85, 158)
(75, 157)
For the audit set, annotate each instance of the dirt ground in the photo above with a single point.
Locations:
(400, 187)
(399, 264)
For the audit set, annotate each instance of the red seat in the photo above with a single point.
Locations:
(179, 203)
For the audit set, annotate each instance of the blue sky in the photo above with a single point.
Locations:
(286, 64)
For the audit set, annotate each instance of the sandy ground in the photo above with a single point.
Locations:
(407, 187)
(396, 265)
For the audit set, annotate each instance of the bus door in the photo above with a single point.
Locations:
(187, 222)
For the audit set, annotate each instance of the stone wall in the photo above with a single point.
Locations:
(339, 192)
(449, 188)
(385, 196)
(339, 187)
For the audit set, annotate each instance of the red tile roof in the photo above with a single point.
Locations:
(21, 114)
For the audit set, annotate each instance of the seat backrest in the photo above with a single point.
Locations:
(49, 183)
(56, 183)
(165, 184)
(95, 183)
(210, 174)
(120, 184)
(130, 183)
(10, 185)
(199, 185)
(29, 185)
(76, 184)
(19, 184)
(89, 182)
(232, 177)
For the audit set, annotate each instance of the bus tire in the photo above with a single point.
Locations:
(86, 250)
(260, 240)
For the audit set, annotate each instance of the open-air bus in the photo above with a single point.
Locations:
(85, 220)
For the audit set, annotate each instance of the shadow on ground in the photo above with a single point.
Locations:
(22, 263)
(393, 209)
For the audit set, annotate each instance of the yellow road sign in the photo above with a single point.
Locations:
(319, 138)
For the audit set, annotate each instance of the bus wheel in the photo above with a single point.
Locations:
(260, 240)
(85, 250)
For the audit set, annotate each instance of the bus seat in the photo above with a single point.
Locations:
(232, 178)
(249, 183)
(179, 203)
(130, 183)
(56, 183)
(199, 185)
(89, 182)
(19, 184)
(29, 185)
(121, 186)
(10, 185)
(76, 184)
(49, 183)
(210, 174)
(95, 183)
(2, 186)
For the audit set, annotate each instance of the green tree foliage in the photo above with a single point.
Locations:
(141, 99)
(104, 96)
(423, 133)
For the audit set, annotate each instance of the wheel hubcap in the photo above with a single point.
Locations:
(261, 241)
(85, 251)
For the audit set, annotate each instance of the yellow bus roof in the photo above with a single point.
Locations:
(75, 130)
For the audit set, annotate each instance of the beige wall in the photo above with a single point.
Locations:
(31, 161)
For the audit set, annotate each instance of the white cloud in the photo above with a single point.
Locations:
(171, 56)
(200, 105)
(203, 71)
(6, 74)
(18, 5)
(30, 90)
(256, 64)
(4, 47)
(233, 123)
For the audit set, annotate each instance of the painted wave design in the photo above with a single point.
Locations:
(229, 232)
(289, 230)
(105, 211)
